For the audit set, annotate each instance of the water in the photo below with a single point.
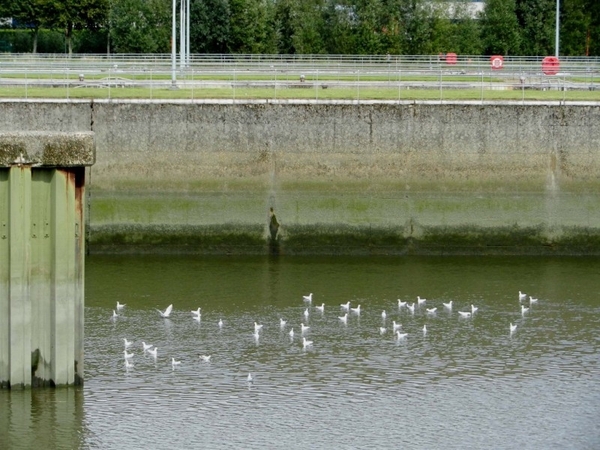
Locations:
(468, 383)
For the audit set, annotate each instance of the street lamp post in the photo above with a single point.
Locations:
(557, 37)
(173, 45)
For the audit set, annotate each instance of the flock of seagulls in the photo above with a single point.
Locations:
(346, 308)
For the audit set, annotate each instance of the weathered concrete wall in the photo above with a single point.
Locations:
(368, 177)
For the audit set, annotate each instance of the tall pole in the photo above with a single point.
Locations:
(557, 37)
(173, 45)
(181, 32)
(187, 34)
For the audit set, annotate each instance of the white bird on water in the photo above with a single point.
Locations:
(396, 326)
(146, 347)
(474, 309)
(220, 323)
(127, 343)
(321, 308)
(197, 318)
(114, 314)
(307, 298)
(401, 335)
(424, 329)
(524, 310)
(303, 328)
(411, 307)
(250, 379)
(346, 305)
(205, 358)
(522, 296)
(174, 362)
(167, 312)
(291, 333)
(153, 352)
(257, 327)
(421, 300)
(532, 300)
(306, 343)
(356, 310)
(448, 305)
(431, 310)
(306, 313)
(513, 328)
(401, 303)
(127, 355)
(282, 323)
(464, 314)
(344, 318)
(383, 314)
(120, 305)
(196, 312)
(128, 365)
(382, 330)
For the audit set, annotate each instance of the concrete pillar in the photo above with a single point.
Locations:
(42, 210)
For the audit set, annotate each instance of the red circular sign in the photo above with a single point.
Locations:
(497, 62)
(451, 58)
(550, 65)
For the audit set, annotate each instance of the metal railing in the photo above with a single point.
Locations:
(352, 77)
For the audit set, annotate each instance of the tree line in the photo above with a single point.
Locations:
(410, 27)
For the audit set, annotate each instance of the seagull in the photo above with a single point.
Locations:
(448, 305)
(128, 365)
(114, 315)
(146, 347)
(346, 306)
(306, 313)
(532, 300)
(220, 323)
(344, 318)
(196, 312)
(401, 335)
(424, 329)
(513, 328)
(153, 352)
(382, 330)
(464, 314)
(127, 343)
(174, 363)
(257, 327)
(256, 334)
(282, 323)
(167, 311)
(411, 307)
(473, 309)
(306, 343)
(197, 318)
(127, 355)
(431, 310)
(321, 308)
(291, 333)
(401, 303)
(356, 310)
(303, 328)
(524, 310)
(250, 378)
(383, 314)
(205, 358)
(307, 298)
(396, 326)
(421, 300)
(522, 295)
(120, 305)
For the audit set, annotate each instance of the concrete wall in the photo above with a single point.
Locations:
(368, 178)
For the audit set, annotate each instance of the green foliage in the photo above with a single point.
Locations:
(140, 26)
(537, 19)
(500, 27)
(210, 30)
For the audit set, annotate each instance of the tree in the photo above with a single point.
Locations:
(140, 26)
(209, 26)
(500, 27)
(575, 23)
(29, 13)
(72, 15)
(248, 26)
(537, 19)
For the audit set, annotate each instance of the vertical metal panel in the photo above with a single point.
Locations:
(4, 269)
(19, 207)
